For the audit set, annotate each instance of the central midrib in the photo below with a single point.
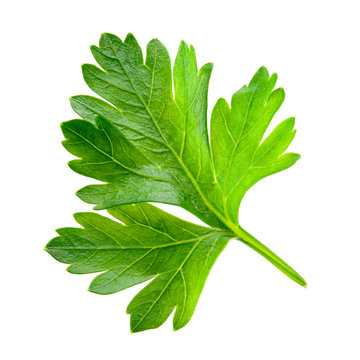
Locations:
(177, 243)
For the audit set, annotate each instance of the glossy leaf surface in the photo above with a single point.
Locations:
(152, 243)
(146, 144)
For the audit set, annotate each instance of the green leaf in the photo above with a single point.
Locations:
(240, 159)
(151, 244)
(146, 144)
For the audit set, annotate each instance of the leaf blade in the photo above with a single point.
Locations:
(157, 245)
(147, 145)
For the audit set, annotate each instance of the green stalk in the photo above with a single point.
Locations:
(260, 248)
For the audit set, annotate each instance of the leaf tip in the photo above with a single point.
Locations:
(134, 328)
(129, 37)
(79, 216)
(99, 207)
(81, 194)
(263, 71)
(273, 78)
(291, 121)
(184, 46)
(208, 66)
(177, 327)
(105, 37)
(92, 290)
(85, 68)
(281, 91)
(94, 48)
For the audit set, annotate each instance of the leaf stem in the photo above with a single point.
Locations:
(260, 248)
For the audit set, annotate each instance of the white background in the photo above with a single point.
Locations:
(308, 214)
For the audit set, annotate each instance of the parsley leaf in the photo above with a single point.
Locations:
(147, 145)
(151, 243)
